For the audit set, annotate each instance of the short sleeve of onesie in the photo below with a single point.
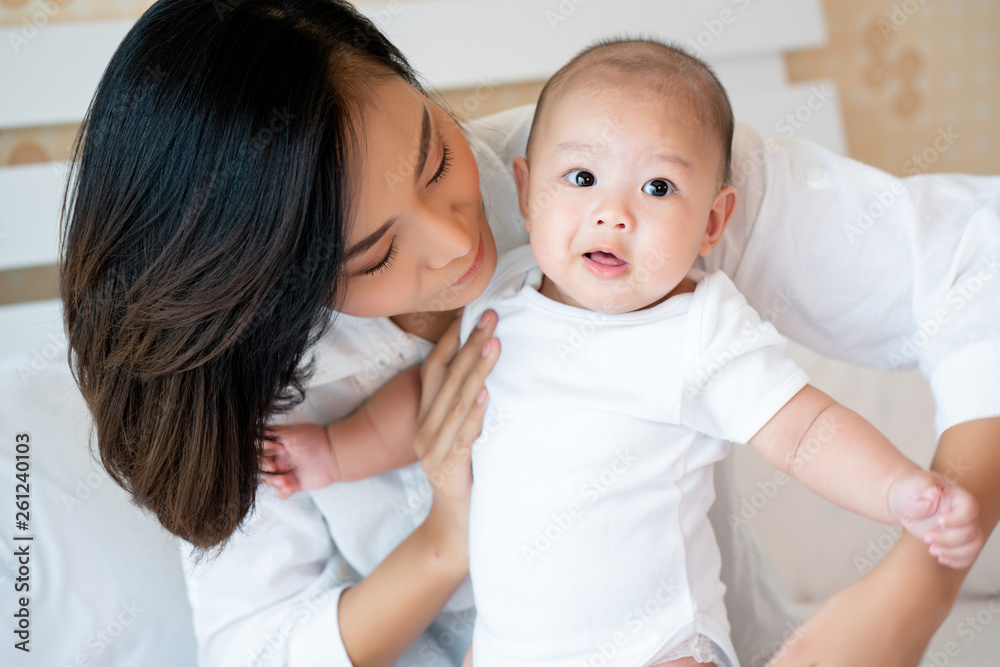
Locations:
(736, 376)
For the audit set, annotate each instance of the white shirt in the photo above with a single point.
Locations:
(593, 486)
(271, 597)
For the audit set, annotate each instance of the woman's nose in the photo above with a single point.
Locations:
(447, 235)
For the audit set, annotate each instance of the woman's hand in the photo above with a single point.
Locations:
(889, 616)
(382, 615)
(453, 403)
(886, 618)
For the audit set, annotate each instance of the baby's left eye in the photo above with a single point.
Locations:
(658, 187)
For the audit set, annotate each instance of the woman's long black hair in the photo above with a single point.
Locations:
(203, 234)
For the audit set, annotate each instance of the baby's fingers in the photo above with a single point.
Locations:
(283, 485)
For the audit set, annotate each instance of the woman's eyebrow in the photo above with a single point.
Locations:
(368, 241)
(425, 140)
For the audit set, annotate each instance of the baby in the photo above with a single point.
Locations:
(624, 375)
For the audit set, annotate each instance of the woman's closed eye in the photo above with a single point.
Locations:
(443, 167)
(385, 262)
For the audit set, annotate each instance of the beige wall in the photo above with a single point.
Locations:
(903, 77)
(909, 71)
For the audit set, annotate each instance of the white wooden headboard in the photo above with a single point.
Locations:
(50, 79)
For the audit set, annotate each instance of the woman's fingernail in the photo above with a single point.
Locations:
(482, 321)
(935, 551)
(481, 398)
(486, 349)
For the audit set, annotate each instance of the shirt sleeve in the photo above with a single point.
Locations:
(736, 376)
(270, 597)
(890, 273)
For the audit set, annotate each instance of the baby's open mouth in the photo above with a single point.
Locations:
(605, 258)
(604, 264)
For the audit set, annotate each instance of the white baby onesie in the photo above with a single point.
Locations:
(589, 539)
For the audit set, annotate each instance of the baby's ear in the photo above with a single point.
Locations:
(718, 218)
(521, 181)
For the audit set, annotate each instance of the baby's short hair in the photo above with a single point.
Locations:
(665, 68)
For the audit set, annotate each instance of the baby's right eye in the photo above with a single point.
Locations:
(581, 178)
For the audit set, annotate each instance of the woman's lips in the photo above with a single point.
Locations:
(477, 264)
(605, 264)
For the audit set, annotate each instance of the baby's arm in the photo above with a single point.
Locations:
(376, 438)
(839, 455)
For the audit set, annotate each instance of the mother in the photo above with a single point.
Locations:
(245, 166)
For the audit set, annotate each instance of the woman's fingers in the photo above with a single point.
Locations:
(432, 371)
(455, 376)
(463, 421)
(283, 487)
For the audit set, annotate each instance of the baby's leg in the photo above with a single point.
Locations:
(683, 662)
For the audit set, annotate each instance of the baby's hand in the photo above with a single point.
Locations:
(940, 513)
(302, 453)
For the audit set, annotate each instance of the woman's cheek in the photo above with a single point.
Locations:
(373, 298)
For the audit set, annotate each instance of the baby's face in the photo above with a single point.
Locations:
(622, 194)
